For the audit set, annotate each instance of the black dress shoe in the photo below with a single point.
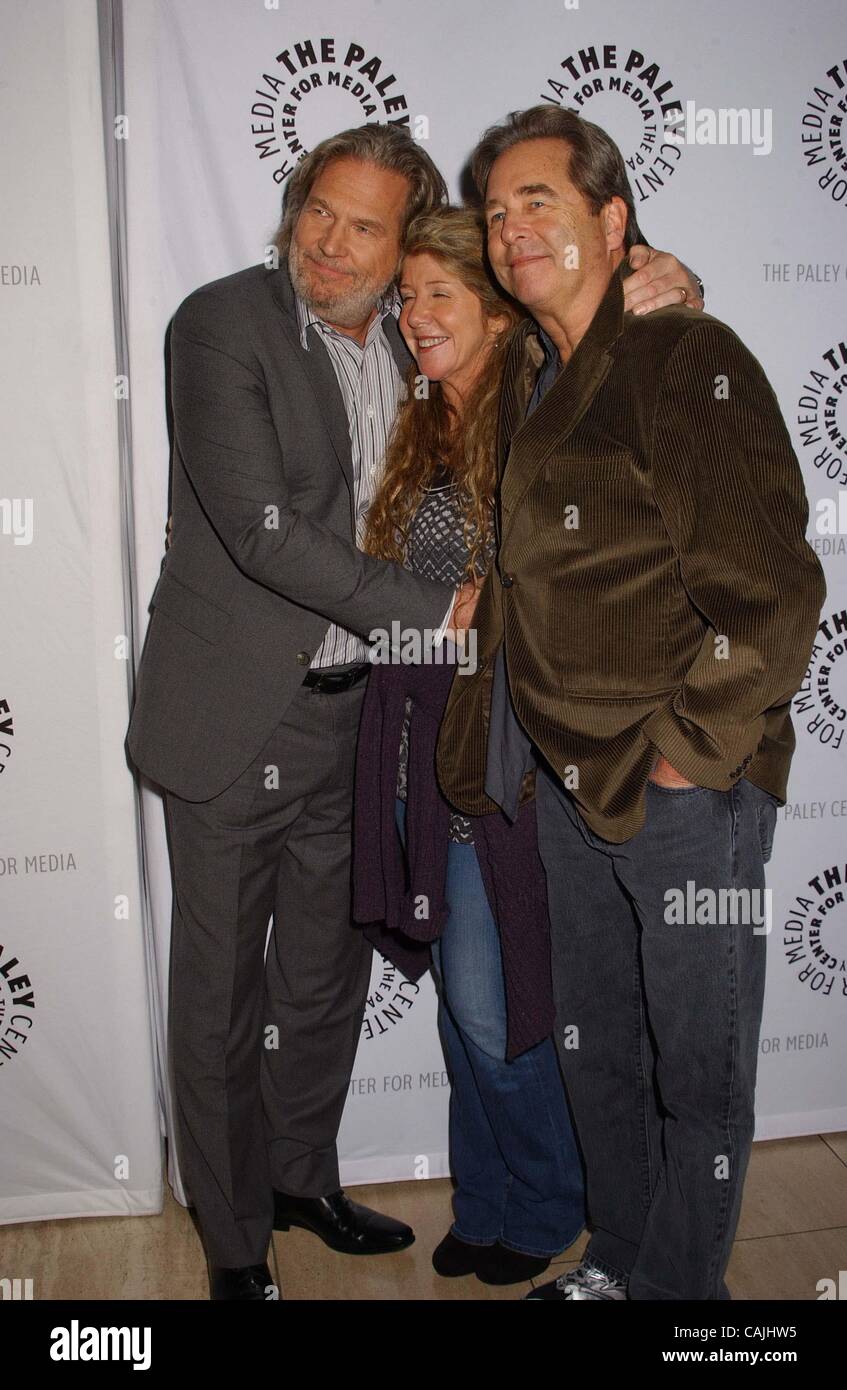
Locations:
(243, 1282)
(454, 1257)
(500, 1265)
(341, 1224)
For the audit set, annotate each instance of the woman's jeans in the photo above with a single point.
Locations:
(512, 1149)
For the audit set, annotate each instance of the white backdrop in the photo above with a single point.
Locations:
(220, 118)
(81, 1132)
(217, 119)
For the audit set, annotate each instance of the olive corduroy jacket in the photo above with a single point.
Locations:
(653, 585)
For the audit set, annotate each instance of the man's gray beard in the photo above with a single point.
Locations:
(347, 308)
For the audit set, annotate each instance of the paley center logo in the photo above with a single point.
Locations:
(17, 1005)
(820, 706)
(822, 415)
(822, 134)
(631, 96)
(7, 733)
(821, 434)
(312, 89)
(814, 933)
(390, 999)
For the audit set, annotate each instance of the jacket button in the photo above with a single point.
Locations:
(303, 658)
(507, 580)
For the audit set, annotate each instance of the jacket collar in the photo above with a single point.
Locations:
(523, 445)
(402, 355)
(317, 369)
(286, 299)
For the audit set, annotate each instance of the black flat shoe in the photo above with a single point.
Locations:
(500, 1265)
(341, 1224)
(244, 1282)
(454, 1257)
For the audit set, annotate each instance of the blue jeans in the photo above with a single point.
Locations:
(513, 1154)
(666, 1007)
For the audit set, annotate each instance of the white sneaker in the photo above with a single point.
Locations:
(584, 1282)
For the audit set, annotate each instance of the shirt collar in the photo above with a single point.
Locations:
(550, 349)
(389, 303)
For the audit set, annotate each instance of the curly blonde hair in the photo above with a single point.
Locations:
(427, 432)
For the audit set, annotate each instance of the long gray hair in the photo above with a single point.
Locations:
(386, 146)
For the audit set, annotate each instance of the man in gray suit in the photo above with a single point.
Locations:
(284, 386)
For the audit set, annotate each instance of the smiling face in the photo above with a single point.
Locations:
(545, 244)
(444, 325)
(346, 241)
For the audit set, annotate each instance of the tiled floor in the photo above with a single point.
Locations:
(792, 1233)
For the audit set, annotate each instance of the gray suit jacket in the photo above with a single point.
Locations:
(263, 555)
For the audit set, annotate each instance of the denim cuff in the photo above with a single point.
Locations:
(589, 1258)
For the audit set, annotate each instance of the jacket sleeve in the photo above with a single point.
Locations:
(732, 498)
(231, 450)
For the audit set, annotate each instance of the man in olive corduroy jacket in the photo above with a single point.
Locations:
(648, 619)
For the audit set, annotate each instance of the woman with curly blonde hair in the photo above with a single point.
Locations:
(519, 1197)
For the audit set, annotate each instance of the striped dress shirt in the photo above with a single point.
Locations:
(371, 387)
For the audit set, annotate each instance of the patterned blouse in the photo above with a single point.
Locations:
(436, 549)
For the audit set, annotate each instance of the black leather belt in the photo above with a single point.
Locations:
(331, 682)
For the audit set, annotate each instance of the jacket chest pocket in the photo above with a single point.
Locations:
(595, 501)
(580, 469)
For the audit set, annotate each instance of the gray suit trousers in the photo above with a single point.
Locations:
(262, 1047)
